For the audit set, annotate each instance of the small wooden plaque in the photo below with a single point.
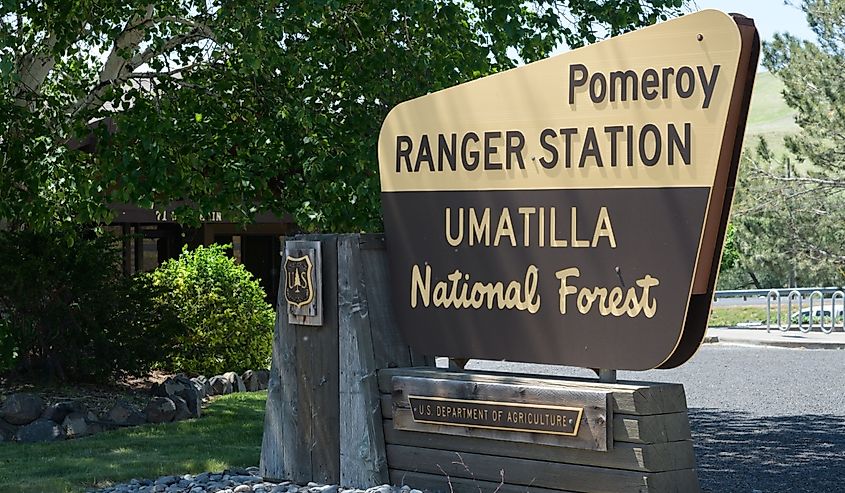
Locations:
(556, 416)
(303, 282)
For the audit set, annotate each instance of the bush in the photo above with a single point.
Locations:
(227, 324)
(68, 312)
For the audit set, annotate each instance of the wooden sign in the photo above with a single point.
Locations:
(571, 211)
(303, 282)
(518, 413)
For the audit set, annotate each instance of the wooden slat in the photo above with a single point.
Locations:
(362, 457)
(438, 483)
(654, 428)
(629, 456)
(531, 473)
(322, 380)
(592, 432)
(628, 428)
(296, 460)
(390, 350)
(272, 460)
(640, 398)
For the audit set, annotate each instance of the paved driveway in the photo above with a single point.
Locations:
(764, 419)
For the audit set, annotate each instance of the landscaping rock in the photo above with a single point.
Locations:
(256, 380)
(201, 383)
(174, 385)
(75, 425)
(184, 387)
(182, 410)
(220, 385)
(58, 411)
(22, 408)
(124, 414)
(250, 381)
(263, 379)
(7, 431)
(194, 398)
(235, 380)
(206, 384)
(160, 410)
(40, 430)
(166, 480)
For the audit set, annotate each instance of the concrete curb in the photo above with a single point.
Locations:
(781, 344)
(795, 340)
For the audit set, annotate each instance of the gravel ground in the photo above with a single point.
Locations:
(764, 419)
(234, 481)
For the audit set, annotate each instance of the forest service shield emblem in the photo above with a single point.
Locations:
(299, 285)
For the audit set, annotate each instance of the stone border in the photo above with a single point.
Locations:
(27, 417)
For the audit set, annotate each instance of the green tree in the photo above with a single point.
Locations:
(807, 189)
(234, 106)
(778, 228)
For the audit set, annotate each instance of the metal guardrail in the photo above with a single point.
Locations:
(826, 320)
(750, 293)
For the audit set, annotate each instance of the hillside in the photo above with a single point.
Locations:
(769, 115)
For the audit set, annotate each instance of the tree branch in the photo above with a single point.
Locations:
(34, 68)
(121, 69)
(802, 179)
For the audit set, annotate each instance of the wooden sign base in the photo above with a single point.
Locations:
(651, 448)
(331, 416)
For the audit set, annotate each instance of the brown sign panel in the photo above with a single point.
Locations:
(568, 211)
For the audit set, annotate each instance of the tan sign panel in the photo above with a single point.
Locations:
(558, 212)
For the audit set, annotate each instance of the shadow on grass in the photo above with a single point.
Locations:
(738, 452)
(228, 435)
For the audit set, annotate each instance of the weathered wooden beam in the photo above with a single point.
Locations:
(640, 398)
(659, 457)
(303, 415)
(653, 428)
(321, 375)
(532, 473)
(272, 460)
(362, 457)
(438, 483)
(629, 428)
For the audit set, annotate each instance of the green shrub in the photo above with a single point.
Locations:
(68, 312)
(227, 324)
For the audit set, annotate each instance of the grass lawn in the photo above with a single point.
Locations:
(731, 316)
(734, 315)
(228, 435)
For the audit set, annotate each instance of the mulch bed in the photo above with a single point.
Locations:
(98, 398)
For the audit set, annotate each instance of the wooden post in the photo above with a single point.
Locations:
(321, 374)
(362, 456)
(303, 432)
(607, 376)
(273, 442)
